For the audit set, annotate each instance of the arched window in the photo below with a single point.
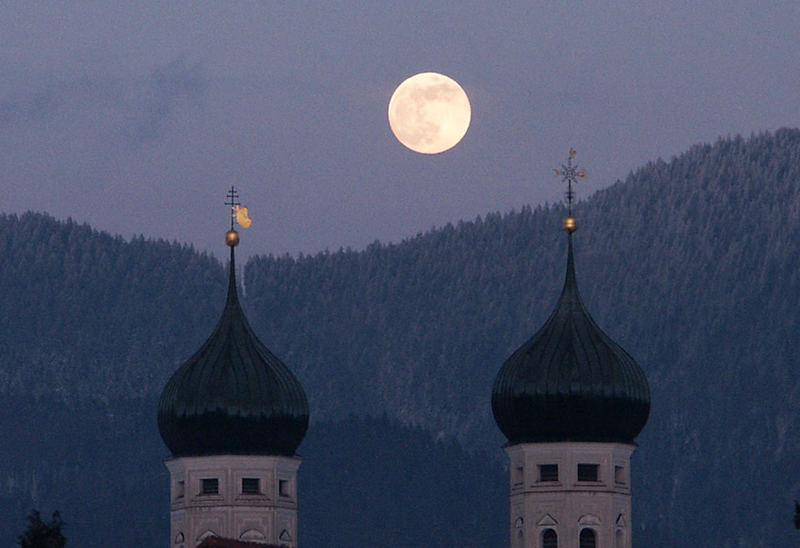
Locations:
(620, 538)
(549, 539)
(588, 539)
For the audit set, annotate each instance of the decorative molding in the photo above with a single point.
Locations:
(589, 519)
(252, 534)
(206, 534)
(547, 519)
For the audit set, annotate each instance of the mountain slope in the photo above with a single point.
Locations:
(87, 315)
(690, 264)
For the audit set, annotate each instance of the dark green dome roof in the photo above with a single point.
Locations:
(233, 396)
(570, 381)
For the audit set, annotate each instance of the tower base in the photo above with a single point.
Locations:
(243, 497)
(570, 494)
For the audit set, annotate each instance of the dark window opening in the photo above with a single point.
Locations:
(251, 486)
(588, 472)
(209, 486)
(179, 489)
(548, 472)
(619, 475)
(283, 488)
(549, 539)
(588, 539)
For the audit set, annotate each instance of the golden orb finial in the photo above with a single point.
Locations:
(231, 238)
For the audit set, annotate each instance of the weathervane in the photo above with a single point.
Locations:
(569, 174)
(238, 216)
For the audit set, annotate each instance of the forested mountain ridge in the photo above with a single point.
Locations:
(690, 264)
(87, 315)
(716, 230)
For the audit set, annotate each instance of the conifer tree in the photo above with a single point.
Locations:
(43, 535)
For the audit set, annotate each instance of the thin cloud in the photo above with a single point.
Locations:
(135, 112)
(167, 88)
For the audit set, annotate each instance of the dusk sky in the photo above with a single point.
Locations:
(137, 117)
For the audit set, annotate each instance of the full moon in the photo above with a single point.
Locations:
(429, 113)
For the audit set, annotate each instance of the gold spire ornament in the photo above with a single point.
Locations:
(239, 215)
(570, 174)
(231, 238)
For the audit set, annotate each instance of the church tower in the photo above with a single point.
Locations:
(233, 417)
(570, 401)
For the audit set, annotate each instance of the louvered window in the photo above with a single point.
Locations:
(209, 486)
(588, 472)
(251, 486)
(619, 475)
(548, 472)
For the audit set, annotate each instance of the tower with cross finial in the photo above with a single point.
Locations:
(570, 401)
(233, 417)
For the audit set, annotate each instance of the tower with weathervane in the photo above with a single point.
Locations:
(233, 417)
(570, 401)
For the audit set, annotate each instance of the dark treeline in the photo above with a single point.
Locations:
(363, 482)
(691, 264)
(369, 482)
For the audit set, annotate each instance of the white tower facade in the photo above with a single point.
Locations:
(244, 497)
(570, 494)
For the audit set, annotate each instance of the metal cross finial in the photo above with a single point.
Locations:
(569, 174)
(233, 201)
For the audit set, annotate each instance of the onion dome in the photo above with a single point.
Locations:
(233, 396)
(570, 381)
